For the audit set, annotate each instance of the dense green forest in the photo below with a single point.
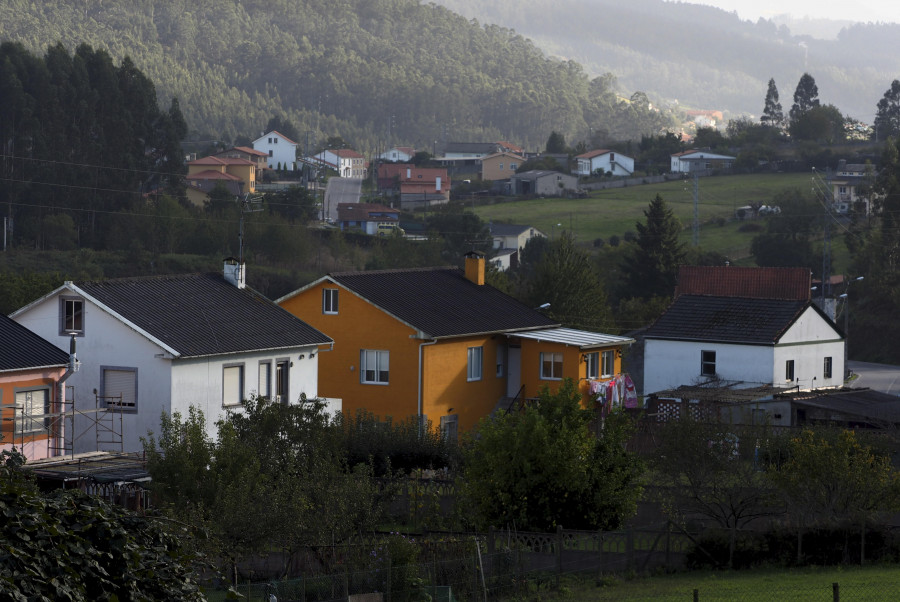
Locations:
(703, 57)
(376, 73)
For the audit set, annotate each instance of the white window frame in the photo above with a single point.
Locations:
(330, 299)
(789, 373)
(229, 372)
(69, 324)
(474, 363)
(381, 358)
(555, 359)
(26, 420)
(608, 363)
(592, 365)
(828, 367)
(282, 380)
(126, 405)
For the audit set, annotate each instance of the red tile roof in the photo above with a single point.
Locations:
(250, 151)
(347, 153)
(593, 153)
(791, 284)
(221, 161)
(286, 139)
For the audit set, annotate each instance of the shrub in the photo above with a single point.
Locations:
(751, 228)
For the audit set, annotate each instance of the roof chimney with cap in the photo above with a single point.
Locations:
(234, 272)
(475, 267)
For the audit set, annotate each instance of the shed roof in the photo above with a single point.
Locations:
(576, 338)
(22, 349)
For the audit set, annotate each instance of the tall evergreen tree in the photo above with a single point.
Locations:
(652, 267)
(887, 116)
(806, 96)
(772, 116)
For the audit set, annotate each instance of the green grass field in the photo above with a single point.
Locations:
(613, 212)
(854, 584)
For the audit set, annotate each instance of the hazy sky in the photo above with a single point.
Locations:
(887, 11)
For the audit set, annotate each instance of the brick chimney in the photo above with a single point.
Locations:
(475, 267)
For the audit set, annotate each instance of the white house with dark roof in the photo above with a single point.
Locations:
(743, 327)
(699, 160)
(162, 344)
(282, 151)
(605, 161)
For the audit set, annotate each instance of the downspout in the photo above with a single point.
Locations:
(71, 369)
(421, 378)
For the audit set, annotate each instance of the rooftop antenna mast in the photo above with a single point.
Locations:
(820, 187)
(250, 203)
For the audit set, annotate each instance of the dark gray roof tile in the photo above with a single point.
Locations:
(21, 349)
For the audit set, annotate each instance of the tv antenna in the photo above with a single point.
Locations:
(250, 203)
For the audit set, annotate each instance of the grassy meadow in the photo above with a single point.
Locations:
(614, 212)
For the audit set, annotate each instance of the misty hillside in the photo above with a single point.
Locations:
(703, 57)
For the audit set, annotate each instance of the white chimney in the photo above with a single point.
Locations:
(437, 183)
(234, 272)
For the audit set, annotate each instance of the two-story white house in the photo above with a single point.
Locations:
(398, 154)
(347, 162)
(282, 151)
(744, 327)
(605, 161)
(160, 344)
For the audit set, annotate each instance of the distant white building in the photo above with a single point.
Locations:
(398, 154)
(347, 162)
(698, 160)
(606, 161)
(282, 150)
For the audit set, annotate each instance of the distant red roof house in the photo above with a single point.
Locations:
(237, 174)
(789, 284)
(414, 185)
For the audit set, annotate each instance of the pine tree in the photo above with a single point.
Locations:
(653, 265)
(887, 117)
(772, 116)
(806, 96)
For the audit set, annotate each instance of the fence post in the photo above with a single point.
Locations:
(629, 547)
(836, 592)
(559, 551)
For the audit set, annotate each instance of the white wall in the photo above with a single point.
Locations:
(198, 381)
(670, 364)
(107, 342)
(283, 151)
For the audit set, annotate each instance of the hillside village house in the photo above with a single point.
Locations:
(847, 183)
(604, 161)
(440, 344)
(371, 218)
(237, 175)
(281, 150)
(698, 160)
(398, 154)
(543, 183)
(345, 161)
(500, 166)
(161, 344)
(414, 186)
(508, 241)
(744, 327)
(258, 158)
(33, 374)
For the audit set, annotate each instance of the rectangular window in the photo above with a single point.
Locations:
(329, 300)
(282, 381)
(827, 367)
(31, 410)
(608, 369)
(374, 367)
(551, 366)
(271, 153)
(501, 165)
(265, 379)
(119, 387)
(513, 166)
(592, 361)
(612, 157)
(233, 385)
(708, 363)
(71, 316)
(473, 371)
(789, 370)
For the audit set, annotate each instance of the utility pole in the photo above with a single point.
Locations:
(696, 228)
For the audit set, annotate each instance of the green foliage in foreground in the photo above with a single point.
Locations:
(67, 545)
(543, 467)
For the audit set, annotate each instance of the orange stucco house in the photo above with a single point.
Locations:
(441, 344)
(32, 373)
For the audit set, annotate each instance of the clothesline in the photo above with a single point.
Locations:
(615, 392)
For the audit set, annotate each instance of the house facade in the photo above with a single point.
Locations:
(500, 166)
(436, 343)
(605, 161)
(237, 175)
(746, 327)
(33, 373)
(851, 186)
(371, 218)
(698, 160)
(280, 150)
(155, 345)
(543, 183)
(346, 162)
(398, 154)
(258, 158)
(414, 186)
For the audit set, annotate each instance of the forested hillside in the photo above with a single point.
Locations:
(376, 72)
(704, 57)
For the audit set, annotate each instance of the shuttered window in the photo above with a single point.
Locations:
(232, 385)
(120, 388)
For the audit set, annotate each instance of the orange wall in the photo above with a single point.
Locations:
(21, 380)
(447, 387)
(359, 325)
(573, 367)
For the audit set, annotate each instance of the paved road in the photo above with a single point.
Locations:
(878, 377)
(340, 190)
